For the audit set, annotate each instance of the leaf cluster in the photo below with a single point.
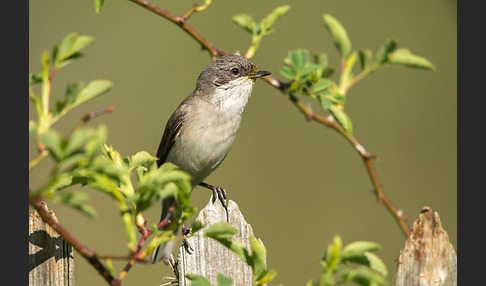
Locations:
(355, 262)
(82, 158)
(259, 30)
(310, 75)
(255, 257)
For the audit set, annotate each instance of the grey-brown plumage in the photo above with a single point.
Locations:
(201, 131)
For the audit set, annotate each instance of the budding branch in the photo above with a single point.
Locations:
(367, 157)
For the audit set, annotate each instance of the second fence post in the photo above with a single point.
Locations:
(209, 257)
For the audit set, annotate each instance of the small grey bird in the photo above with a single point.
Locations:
(201, 131)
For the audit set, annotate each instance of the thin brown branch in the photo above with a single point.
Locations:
(310, 115)
(87, 253)
(365, 155)
(90, 115)
(181, 21)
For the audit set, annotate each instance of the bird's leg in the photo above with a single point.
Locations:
(185, 231)
(218, 192)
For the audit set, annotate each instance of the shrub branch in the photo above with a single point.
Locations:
(367, 157)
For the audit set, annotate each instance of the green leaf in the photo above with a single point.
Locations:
(52, 141)
(35, 78)
(72, 91)
(404, 57)
(112, 154)
(387, 47)
(304, 56)
(224, 280)
(168, 172)
(78, 201)
(287, 72)
(342, 118)
(92, 90)
(77, 140)
(149, 196)
(307, 69)
(321, 85)
(296, 60)
(98, 5)
(222, 232)
(100, 165)
(326, 99)
(321, 59)
(59, 182)
(365, 276)
(376, 263)
(198, 280)
(267, 23)
(32, 126)
(142, 158)
(160, 183)
(196, 226)
(93, 146)
(331, 258)
(365, 57)
(357, 248)
(347, 74)
(77, 93)
(267, 277)
(246, 22)
(259, 256)
(69, 49)
(338, 34)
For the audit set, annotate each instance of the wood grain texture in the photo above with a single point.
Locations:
(427, 258)
(51, 259)
(210, 257)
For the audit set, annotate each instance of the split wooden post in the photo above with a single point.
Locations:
(427, 257)
(209, 257)
(51, 260)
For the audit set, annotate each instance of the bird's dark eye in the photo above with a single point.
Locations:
(234, 71)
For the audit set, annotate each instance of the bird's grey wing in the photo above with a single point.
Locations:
(172, 129)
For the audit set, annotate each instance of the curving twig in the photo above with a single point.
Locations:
(90, 115)
(367, 157)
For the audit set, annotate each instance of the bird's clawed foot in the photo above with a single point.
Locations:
(185, 231)
(218, 192)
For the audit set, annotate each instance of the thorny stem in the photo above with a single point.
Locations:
(330, 122)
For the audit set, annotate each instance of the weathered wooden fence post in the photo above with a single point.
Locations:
(210, 257)
(427, 257)
(51, 259)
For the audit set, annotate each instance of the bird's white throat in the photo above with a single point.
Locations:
(233, 96)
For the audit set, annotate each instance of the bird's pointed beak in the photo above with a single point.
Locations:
(258, 74)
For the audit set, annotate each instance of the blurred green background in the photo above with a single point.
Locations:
(297, 183)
